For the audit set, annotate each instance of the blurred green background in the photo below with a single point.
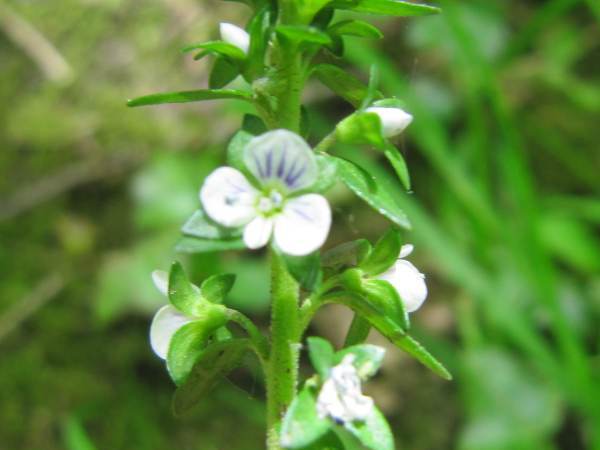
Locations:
(505, 161)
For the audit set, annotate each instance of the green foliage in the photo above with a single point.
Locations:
(189, 96)
(384, 254)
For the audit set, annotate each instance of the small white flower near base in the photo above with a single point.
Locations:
(282, 165)
(167, 319)
(393, 120)
(341, 398)
(407, 280)
(234, 35)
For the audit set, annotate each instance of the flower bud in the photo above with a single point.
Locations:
(393, 120)
(235, 35)
(407, 280)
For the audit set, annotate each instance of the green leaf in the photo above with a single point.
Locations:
(321, 355)
(347, 254)
(386, 7)
(368, 358)
(372, 191)
(213, 363)
(374, 433)
(384, 294)
(357, 28)
(222, 73)
(198, 245)
(303, 35)
(301, 425)
(199, 225)
(399, 165)
(327, 174)
(190, 96)
(183, 295)
(305, 269)
(384, 254)
(361, 129)
(253, 125)
(219, 48)
(342, 83)
(186, 346)
(415, 349)
(216, 287)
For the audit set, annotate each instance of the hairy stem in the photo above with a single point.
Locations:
(282, 369)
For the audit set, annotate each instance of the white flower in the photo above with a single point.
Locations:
(407, 280)
(235, 35)
(341, 397)
(167, 319)
(282, 164)
(393, 120)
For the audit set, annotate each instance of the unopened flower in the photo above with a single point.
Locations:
(407, 280)
(341, 397)
(393, 120)
(282, 165)
(167, 319)
(234, 35)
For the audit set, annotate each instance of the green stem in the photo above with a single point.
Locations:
(282, 368)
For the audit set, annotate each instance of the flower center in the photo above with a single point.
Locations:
(270, 203)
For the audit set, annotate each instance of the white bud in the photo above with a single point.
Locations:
(235, 35)
(393, 120)
(407, 280)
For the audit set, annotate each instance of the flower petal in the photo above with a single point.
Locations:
(165, 324)
(161, 281)
(234, 35)
(303, 225)
(284, 156)
(258, 232)
(393, 120)
(408, 282)
(406, 250)
(228, 198)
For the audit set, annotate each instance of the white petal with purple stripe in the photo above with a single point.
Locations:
(228, 198)
(303, 225)
(282, 156)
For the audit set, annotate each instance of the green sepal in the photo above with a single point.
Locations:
(218, 48)
(372, 191)
(308, 9)
(258, 29)
(190, 96)
(253, 125)
(323, 18)
(188, 343)
(306, 270)
(183, 295)
(327, 174)
(212, 363)
(301, 425)
(199, 225)
(361, 128)
(347, 254)
(372, 91)
(399, 164)
(386, 7)
(303, 34)
(358, 28)
(235, 149)
(367, 358)
(383, 293)
(342, 83)
(384, 254)
(222, 73)
(321, 354)
(216, 287)
(374, 433)
(193, 245)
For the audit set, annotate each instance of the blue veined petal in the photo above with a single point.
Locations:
(303, 225)
(284, 156)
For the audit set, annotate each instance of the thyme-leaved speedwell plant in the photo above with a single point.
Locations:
(271, 193)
